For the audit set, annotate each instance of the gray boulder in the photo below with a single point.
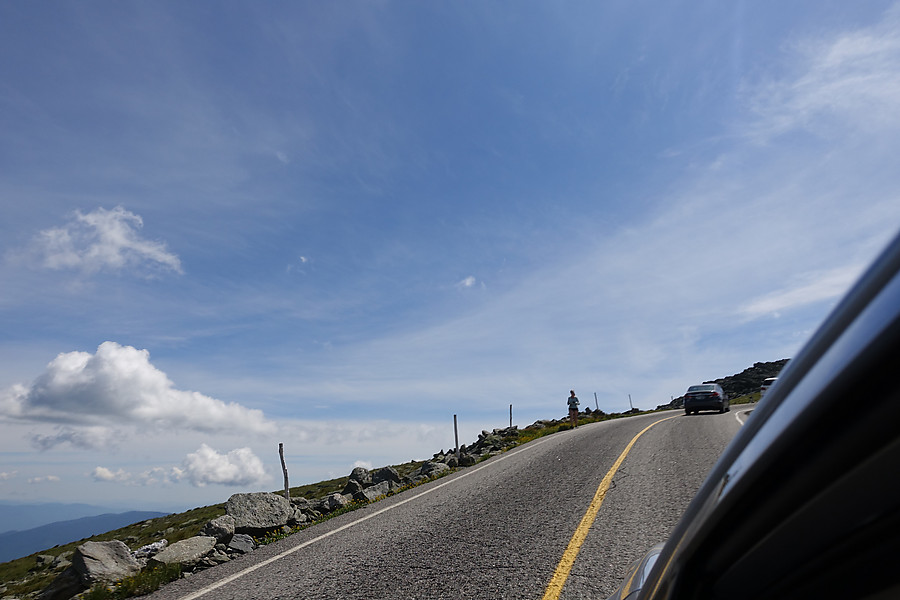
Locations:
(92, 562)
(362, 475)
(353, 487)
(467, 460)
(259, 511)
(104, 562)
(66, 585)
(374, 492)
(43, 561)
(301, 503)
(386, 474)
(221, 528)
(432, 469)
(336, 501)
(217, 557)
(241, 543)
(186, 553)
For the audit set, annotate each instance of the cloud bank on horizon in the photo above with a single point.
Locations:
(337, 228)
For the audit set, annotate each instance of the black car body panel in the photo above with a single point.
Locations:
(804, 502)
(705, 397)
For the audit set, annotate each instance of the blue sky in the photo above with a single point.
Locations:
(336, 225)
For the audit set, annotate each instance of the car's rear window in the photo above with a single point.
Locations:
(702, 388)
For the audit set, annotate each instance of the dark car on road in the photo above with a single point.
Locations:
(705, 396)
(804, 502)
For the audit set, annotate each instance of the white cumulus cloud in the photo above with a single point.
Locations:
(104, 474)
(88, 395)
(102, 240)
(238, 467)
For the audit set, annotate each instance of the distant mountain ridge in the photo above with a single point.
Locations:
(17, 516)
(15, 544)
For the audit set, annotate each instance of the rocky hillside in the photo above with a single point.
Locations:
(749, 380)
(745, 383)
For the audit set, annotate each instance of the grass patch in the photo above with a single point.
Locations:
(145, 582)
(532, 433)
(747, 398)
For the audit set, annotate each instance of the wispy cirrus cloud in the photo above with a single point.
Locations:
(851, 80)
(43, 479)
(813, 288)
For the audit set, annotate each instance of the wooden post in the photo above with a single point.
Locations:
(287, 488)
(510, 416)
(456, 437)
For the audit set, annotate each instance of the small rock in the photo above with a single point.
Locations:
(241, 543)
(432, 469)
(336, 501)
(221, 528)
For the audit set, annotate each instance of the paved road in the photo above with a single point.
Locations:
(497, 530)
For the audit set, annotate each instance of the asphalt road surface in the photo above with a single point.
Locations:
(501, 529)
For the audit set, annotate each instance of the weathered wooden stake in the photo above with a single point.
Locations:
(287, 488)
(456, 437)
(510, 415)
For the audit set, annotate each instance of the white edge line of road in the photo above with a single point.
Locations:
(745, 413)
(259, 565)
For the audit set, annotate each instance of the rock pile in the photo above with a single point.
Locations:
(93, 562)
(255, 514)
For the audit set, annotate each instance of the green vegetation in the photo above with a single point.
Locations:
(747, 398)
(532, 433)
(145, 582)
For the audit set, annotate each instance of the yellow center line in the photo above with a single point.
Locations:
(554, 588)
